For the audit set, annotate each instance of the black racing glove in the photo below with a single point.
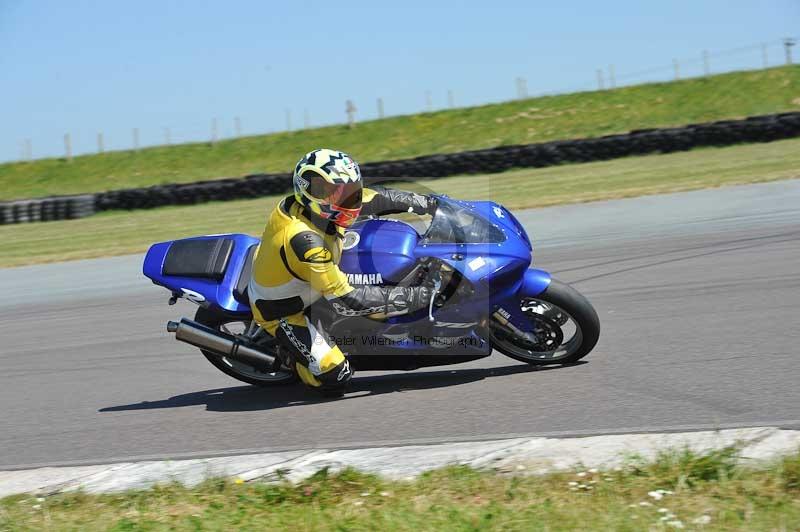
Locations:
(411, 298)
(431, 204)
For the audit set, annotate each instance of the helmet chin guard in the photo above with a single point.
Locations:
(346, 217)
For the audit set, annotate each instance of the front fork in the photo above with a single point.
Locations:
(508, 313)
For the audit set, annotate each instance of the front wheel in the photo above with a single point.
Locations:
(234, 368)
(565, 328)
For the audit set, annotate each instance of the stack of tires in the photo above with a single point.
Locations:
(252, 186)
(47, 209)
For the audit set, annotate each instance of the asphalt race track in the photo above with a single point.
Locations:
(698, 296)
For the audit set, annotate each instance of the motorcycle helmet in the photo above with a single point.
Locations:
(328, 184)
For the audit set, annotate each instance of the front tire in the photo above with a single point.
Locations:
(566, 328)
(235, 369)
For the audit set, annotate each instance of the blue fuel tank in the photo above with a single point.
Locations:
(379, 251)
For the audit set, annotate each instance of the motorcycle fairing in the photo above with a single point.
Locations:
(495, 270)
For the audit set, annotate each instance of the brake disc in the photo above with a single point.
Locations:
(547, 335)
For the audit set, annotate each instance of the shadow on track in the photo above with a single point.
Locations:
(251, 398)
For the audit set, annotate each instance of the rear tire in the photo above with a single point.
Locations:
(577, 307)
(215, 320)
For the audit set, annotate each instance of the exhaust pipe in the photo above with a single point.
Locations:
(222, 344)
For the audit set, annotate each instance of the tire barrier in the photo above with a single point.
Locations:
(640, 142)
(764, 128)
(665, 140)
(47, 209)
(252, 186)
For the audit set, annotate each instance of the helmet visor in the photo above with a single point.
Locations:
(345, 195)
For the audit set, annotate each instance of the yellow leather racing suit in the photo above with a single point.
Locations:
(297, 263)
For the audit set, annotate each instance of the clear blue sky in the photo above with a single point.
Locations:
(84, 67)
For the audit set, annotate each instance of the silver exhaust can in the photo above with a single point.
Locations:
(221, 344)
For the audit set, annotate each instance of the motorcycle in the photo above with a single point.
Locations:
(476, 255)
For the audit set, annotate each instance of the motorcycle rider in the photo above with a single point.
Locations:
(297, 263)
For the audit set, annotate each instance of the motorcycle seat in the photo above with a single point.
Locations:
(240, 290)
(206, 258)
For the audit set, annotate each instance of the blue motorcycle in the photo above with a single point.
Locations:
(476, 255)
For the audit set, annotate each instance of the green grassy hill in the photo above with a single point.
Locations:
(587, 114)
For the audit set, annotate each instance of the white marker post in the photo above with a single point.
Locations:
(350, 109)
(67, 147)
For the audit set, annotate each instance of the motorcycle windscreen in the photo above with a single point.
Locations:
(453, 224)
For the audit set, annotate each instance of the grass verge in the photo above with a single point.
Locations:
(118, 233)
(586, 114)
(679, 490)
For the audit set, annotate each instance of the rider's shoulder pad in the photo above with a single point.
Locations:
(308, 246)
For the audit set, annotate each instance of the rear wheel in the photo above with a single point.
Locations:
(233, 368)
(565, 328)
